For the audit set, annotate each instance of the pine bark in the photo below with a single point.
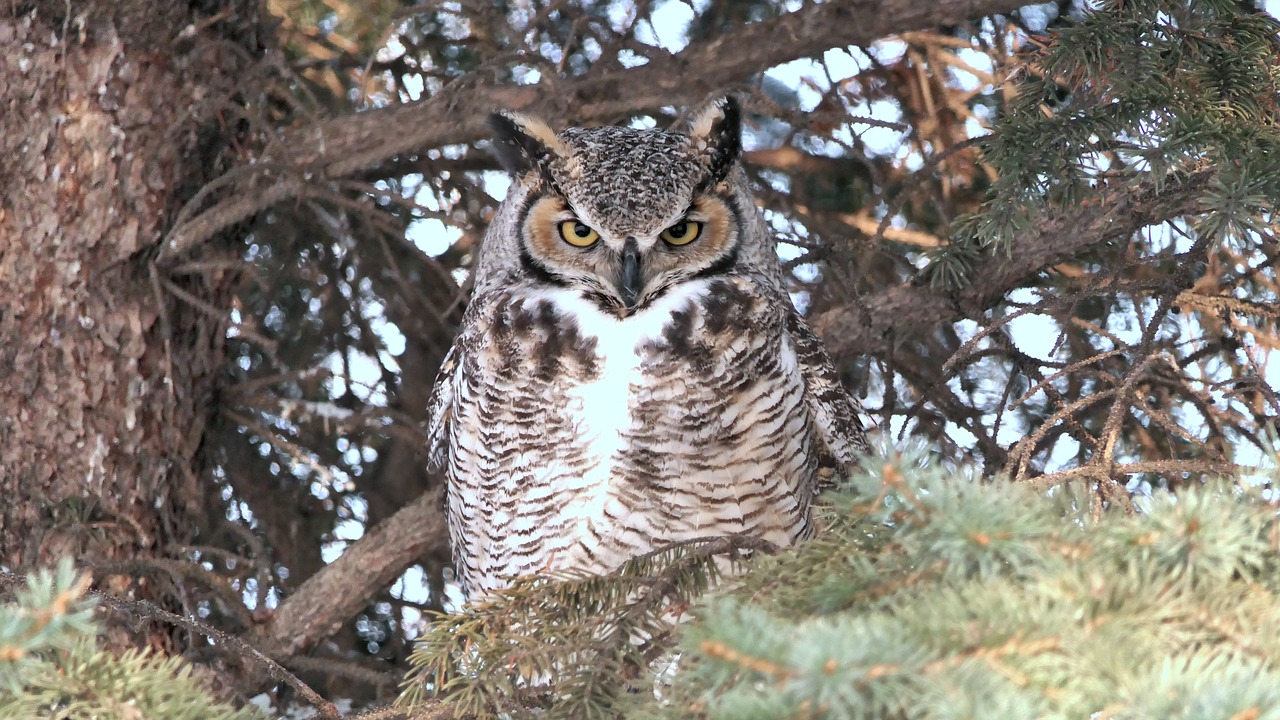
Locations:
(109, 122)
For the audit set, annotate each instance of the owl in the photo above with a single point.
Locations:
(630, 371)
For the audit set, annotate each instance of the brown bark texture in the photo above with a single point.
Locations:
(108, 123)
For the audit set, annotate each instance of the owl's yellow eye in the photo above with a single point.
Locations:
(682, 233)
(578, 234)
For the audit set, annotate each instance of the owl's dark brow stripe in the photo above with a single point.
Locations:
(528, 261)
(721, 266)
(538, 270)
(729, 259)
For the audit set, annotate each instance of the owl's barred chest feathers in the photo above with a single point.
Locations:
(684, 420)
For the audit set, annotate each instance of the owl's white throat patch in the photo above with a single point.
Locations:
(606, 403)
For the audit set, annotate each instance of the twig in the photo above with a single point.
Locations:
(230, 643)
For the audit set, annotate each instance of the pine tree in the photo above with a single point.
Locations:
(934, 595)
(1148, 90)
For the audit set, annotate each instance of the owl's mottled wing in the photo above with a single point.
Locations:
(835, 411)
(439, 410)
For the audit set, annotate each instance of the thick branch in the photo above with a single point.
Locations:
(877, 323)
(345, 146)
(345, 586)
(356, 142)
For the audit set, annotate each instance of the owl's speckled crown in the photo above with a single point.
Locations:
(601, 168)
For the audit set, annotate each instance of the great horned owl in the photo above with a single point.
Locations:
(630, 371)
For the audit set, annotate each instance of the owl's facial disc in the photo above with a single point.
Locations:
(625, 268)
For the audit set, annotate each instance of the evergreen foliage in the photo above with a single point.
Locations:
(52, 667)
(928, 594)
(579, 638)
(1152, 89)
(932, 595)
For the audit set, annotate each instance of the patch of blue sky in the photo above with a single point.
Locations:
(1038, 17)
(670, 27)
(432, 236)
(409, 585)
(364, 373)
(978, 73)
(344, 533)
(1033, 334)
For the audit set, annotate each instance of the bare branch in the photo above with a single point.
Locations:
(343, 588)
(880, 321)
(345, 145)
(353, 143)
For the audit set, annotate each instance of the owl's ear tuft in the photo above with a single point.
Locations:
(717, 131)
(523, 144)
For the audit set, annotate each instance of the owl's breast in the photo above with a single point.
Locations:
(695, 423)
(591, 439)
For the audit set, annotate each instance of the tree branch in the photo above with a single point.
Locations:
(343, 588)
(348, 145)
(457, 115)
(879, 322)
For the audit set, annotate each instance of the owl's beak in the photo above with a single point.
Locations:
(629, 280)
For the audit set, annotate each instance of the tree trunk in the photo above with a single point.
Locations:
(110, 122)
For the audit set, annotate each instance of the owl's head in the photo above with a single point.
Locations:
(623, 215)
